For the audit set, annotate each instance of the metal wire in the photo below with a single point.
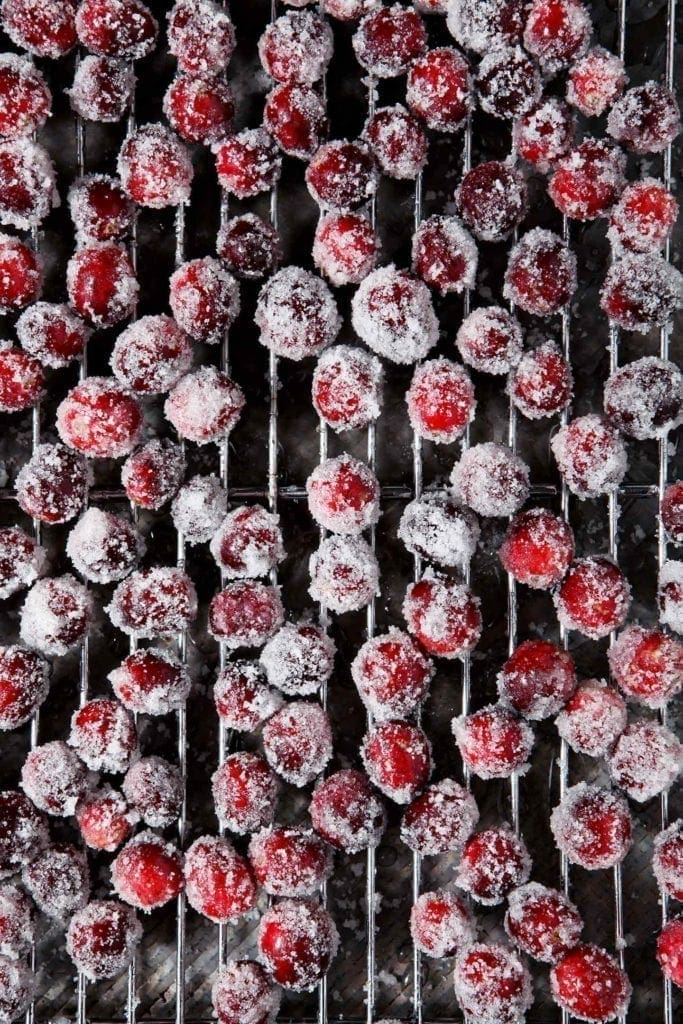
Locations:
(466, 306)
(512, 594)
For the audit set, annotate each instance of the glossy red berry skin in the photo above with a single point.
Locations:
(595, 81)
(647, 665)
(347, 812)
(443, 615)
(644, 217)
(104, 819)
(544, 133)
(21, 274)
(389, 39)
(493, 863)
(593, 598)
(670, 951)
(492, 981)
(345, 247)
(200, 109)
(21, 379)
(537, 679)
(441, 401)
(441, 924)
(52, 334)
(397, 758)
(542, 922)
(646, 760)
(218, 882)
(493, 742)
(100, 419)
(297, 941)
(557, 32)
(538, 548)
(148, 872)
(542, 383)
(25, 99)
(102, 938)
(153, 473)
(45, 28)
(289, 861)
(439, 89)
(541, 273)
(392, 675)
(116, 28)
(592, 826)
(102, 285)
(295, 117)
(593, 718)
(590, 984)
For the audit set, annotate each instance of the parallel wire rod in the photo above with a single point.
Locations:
(273, 382)
(512, 598)
(466, 306)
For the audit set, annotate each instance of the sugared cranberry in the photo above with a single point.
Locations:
(289, 861)
(296, 47)
(589, 984)
(492, 199)
(671, 511)
(643, 218)
(297, 941)
(21, 274)
(154, 790)
(544, 133)
(440, 819)
(646, 119)
(541, 273)
(343, 495)
(670, 595)
(101, 283)
(58, 880)
(493, 742)
(346, 812)
(392, 675)
(204, 405)
(199, 507)
(52, 334)
(490, 340)
(245, 614)
(245, 793)
(594, 597)
(647, 665)
(445, 254)
(102, 89)
(341, 175)
(438, 529)
(200, 109)
(557, 32)
(397, 141)
(247, 163)
(398, 759)
(595, 81)
(17, 925)
(155, 167)
(538, 548)
(592, 826)
(56, 615)
(99, 208)
(54, 778)
(645, 398)
(22, 561)
(443, 615)
(508, 83)
(295, 117)
(537, 679)
(592, 719)
(204, 299)
(99, 418)
(482, 25)
(104, 736)
(102, 938)
(491, 479)
(344, 574)
(348, 10)
(116, 28)
(45, 28)
(590, 455)
(491, 981)
(670, 951)
(17, 988)
(667, 860)
(542, 922)
(200, 36)
(296, 314)
(588, 180)
(21, 379)
(23, 833)
(24, 685)
(158, 601)
(493, 863)
(389, 39)
(297, 742)
(103, 547)
(298, 659)
(440, 400)
(249, 246)
(646, 760)
(345, 247)
(541, 384)
(392, 313)
(347, 387)
(244, 994)
(439, 90)
(242, 699)
(148, 871)
(104, 819)
(441, 924)
(153, 473)
(25, 99)
(248, 542)
(218, 882)
(27, 183)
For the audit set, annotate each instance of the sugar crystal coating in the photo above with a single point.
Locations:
(670, 951)
(204, 405)
(493, 742)
(645, 398)
(218, 882)
(297, 941)
(102, 938)
(439, 820)
(104, 819)
(538, 548)
(199, 507)
(28, 188)
(147, 872)
(589, 984)
(493, 862)
(158, 601)
(542, 921)
(247, 543)
(437, 528)
(151, 355)
(103, 547)
(299, 659)
(297, 742)
(595, 81)
(52, 333)
(55, 615)
(443, 615)
(493, 200)
(289, 861)
(646, 760)
(23, 833)
(102, 89)
(101, 283)
(646, 119)
(398, 142)
(491, 479)
(388, 40)
(343, 495)
(249, 246)
(17, 988)
(200, 110)
(392, 675)
(24, 685)
(58, 880)
(541, 273)
(544, 133)
(296, 47)
(344, 574)
(152, 474)
(242, 699)
(490, 340)
(557, 32)
(296, 314)
(155, 167)
(247, 163)
(398, 759)
(116, 28)
(647, 665)
(439, 89)
(537, 679)
(670, 595)
(17, 926)
(245, 792)
(45, 28)
(242, 993)
(445, 254)
(592, 826)
(200, 36)
(492, 984)
(25, 99)
(54, 778)
(481, 25)
(508, 83)
(346, 811)
(204, 299)
(295, 117)
(594, 597)
(53, 484)
(347, 387)
(667, 860)
(21, 274)
(593, 718)
(392, 313)
(643, 218)
(154, 790)
(245, 613)
(99, 208)
(441, 924)
(104, 735)
(441, 400)
(591, 455)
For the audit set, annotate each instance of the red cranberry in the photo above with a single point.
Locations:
(25, 99)
(491, 479)
(537, 680)
(346, 812)
(295, 117)
(670, 595)
(590, 455)
(445, 254)
(341, 175)
(490, 340)
(671, 511)
(645, 398)
(45, 28)
(296, 48)
(102, 89)
(398, 142)
(245, 614)
(200, 36)
(296, 314)
(298, 659)
(204, 299)
(104, 736)
(23, 833)
(153, 473)
(544, 133)
(438, 529)
(647, 665)
(151, 355)
(248, 542)
(348, 10)
(297, 742)
(99, 418)
(52, 334)
(56, 615)
(493, 863)
(204, 405)
(541, 384)
(243, 701)
(154, 789)
(646, 119)
(538, 548)
(247, 163)
(508, 83)
(58, 880)
(297, 941)
(594, 597)
(199, 508)
(218, 882)
(592, 826)
(589, 983)
(595, 81)
(289, 861)
(244, 994)
(392, 675)
(439, 90)
(667, 860)
(492, 981)
(441, 924)
(102, 938)
(646, 760)
(557, 32)
(17, 925)
(347, 387)
(148, 872)
(116, 28)
(200, 109)
(592, 719)
(443, 615)
(670, 951)
(542, 922)
(21, 274)
(343, 495)
(24, 685)
(392, 313)
(541, 273)
(245, 793)
(103, 547)
(21, 379)
(104, 819)
(102, 285)
(398, 759)
(155, 167)
(27, 184)
(159, 601)
(17, 988)
(588, 180)
(388, 40)
(643, 218)
(100, 209)
(249, 246)
(493, 742)
(493, 200)
(22, 561)
(482, 25)
(345, 247)
(440, 400)
(54, 778)
(344, 574)
(440, 819)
